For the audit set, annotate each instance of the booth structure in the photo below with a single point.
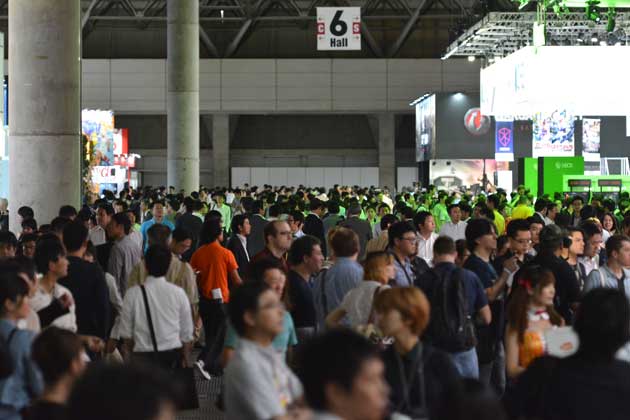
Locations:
(562, 75)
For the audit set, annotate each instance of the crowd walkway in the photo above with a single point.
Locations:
(208, 392)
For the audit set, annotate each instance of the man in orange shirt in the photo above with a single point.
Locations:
(215, 266)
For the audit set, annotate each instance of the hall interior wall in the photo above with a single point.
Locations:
(284, 113)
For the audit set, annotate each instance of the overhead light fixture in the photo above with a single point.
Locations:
(471, 58)
(222, 13)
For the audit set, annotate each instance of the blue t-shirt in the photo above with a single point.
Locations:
(488, 276)
(145, 228)
(282, 341)
(484, 270)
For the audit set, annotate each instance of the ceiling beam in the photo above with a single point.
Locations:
(254, 11)
(406, 31)
(88, 12)
(207, 43)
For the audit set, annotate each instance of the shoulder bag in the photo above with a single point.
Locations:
(184, 377)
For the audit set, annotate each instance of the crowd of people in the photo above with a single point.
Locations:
(347, 303)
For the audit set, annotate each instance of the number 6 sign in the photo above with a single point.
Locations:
(338, 28)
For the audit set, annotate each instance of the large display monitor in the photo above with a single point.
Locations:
(425, 128)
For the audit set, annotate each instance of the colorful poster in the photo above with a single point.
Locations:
(425, 128)
(553, 134)
(504, 141)
(591, 128)
(98, 126)
(454, 174)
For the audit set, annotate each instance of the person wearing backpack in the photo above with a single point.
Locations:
(21, 380)
(457, 298)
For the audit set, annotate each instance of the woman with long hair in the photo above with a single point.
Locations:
(530, 313)
(609, 224)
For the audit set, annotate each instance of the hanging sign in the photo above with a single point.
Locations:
(591, 128)
(553, 134)
(504, 141)
(338, 28)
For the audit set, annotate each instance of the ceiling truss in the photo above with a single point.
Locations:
(242, 17)
(499, 34)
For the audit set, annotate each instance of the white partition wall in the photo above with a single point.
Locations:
(138, 86)
(312, 177)
(406, 176)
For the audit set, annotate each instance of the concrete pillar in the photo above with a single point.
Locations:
(182, 100)
(387, 151)
(44, 107)
(221, 150)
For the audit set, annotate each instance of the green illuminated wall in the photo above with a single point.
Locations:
(551, 171)
(530, 175)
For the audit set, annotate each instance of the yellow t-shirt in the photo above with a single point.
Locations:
(499, 222)
(522, 212)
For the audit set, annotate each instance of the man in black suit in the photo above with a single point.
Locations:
(361, 227)
(256, 239)
(190, 223)
(86, 282)
(241, 228)
(313, 224)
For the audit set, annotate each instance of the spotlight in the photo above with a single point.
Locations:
(471, 58)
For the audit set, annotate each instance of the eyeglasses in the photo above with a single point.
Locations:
(411, 240)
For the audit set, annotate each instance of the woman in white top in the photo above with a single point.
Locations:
(378, 270)
(51, 262)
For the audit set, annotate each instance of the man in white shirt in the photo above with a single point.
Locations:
(613, 275)
(593, 241)
(425, 224)
(456, 228)
(168, 312)
(552, 212)
(104, 214)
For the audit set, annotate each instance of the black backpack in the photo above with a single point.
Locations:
(450, 328)
(6, 361)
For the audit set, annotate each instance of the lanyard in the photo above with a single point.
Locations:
(406, 380)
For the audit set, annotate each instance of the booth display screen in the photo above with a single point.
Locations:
(425, 128)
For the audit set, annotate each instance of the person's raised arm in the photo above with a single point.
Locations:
(509, 267)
